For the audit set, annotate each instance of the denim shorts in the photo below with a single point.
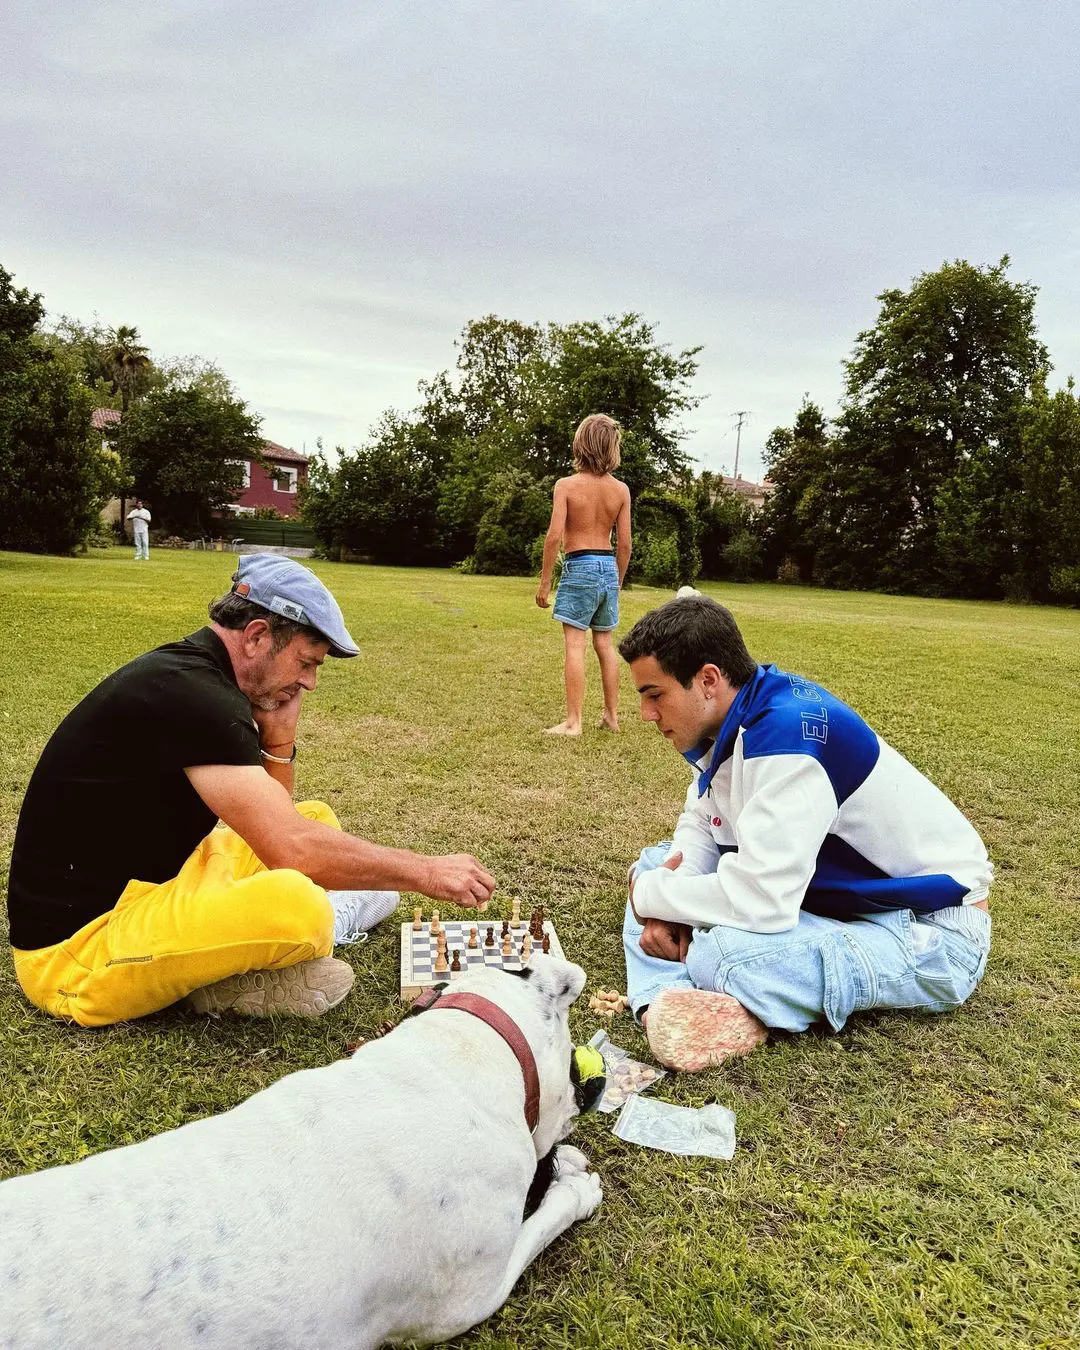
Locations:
(588, 594)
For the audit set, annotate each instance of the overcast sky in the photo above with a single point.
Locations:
(319, 197)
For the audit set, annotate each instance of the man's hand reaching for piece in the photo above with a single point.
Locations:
(457, 877)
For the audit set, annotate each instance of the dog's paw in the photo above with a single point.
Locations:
(586, 1192)
(570, 1161)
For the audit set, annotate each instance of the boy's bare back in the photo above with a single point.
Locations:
(595, 504)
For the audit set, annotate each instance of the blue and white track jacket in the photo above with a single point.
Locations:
(798, 804)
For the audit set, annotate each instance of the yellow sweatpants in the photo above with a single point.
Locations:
(225, 914)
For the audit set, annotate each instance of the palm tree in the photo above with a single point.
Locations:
(129, 360)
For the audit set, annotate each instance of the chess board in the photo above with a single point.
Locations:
(418, 951)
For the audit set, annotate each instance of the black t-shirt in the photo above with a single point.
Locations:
(109, 801)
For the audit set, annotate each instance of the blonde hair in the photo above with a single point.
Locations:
(596, 444)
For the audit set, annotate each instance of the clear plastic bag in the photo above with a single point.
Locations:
(625, 1076)
(690, 1131)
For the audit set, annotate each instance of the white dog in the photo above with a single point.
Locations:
(378, 1199)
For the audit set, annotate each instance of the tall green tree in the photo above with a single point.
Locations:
(184, 449)
(503, 420)
(932, 396)
(130, 362)
(616, 366)
(380, 500)
(722, 517)
(54, 478)
(796, 460)
(1042, 508)
(87, 347)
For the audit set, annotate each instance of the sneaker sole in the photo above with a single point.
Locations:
(307, 989)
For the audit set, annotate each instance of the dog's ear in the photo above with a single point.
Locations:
(559, 982)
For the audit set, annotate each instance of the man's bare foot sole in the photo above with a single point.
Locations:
(563, 729)
(693, 1029)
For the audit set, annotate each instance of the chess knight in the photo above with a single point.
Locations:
(327, 1209)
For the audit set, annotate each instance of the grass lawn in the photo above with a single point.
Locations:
(913, 1181)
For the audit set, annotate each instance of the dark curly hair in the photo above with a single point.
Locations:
(687, 633)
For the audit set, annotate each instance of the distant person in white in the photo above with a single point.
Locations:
(140, 524)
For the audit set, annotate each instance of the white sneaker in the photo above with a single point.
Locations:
(307, 989)
(355, 912)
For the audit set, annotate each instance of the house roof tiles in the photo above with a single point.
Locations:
(281, 454)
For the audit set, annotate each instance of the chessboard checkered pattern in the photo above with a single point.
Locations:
(418, 951)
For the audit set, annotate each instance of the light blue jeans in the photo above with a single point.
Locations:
(821, 968)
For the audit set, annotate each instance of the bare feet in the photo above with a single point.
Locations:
(607, 723)
(563, 729)
(691, 1029)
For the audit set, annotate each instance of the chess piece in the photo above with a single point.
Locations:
(436, 926)
(440, 941)
(526, 949)
(440, 961)
(455, 964)
(516, 919)
(472, 938)
(507, 944)
(505, 927)
(417, 919)
(545, 946)
(489, 941)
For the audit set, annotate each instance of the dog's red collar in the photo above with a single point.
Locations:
(508, 1029)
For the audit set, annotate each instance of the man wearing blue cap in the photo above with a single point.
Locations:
(126, 894)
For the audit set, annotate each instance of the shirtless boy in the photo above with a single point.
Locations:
(586, 508)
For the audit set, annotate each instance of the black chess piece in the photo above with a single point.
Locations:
(489, 941)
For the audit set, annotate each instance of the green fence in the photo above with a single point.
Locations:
(279, 533)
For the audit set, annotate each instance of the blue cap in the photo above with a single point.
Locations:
(284, 587)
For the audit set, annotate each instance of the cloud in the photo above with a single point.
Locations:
(320, 199)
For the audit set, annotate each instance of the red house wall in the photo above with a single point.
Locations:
(262, 491)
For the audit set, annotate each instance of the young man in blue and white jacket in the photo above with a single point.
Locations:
(813, 873)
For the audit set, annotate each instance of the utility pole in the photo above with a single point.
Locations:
(742, 416)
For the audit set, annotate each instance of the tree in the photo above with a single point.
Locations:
(54, 479)
(87, 348)
(665, 533)
(380, 500)
(130, 363)
(185, 450)
(191, 372)
(933, 388)
(721, 516)
(796, 459)
(506, 417)
(495, 363)
(1042, 509)
(53, 476)
(615, 366)
(516, 515)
